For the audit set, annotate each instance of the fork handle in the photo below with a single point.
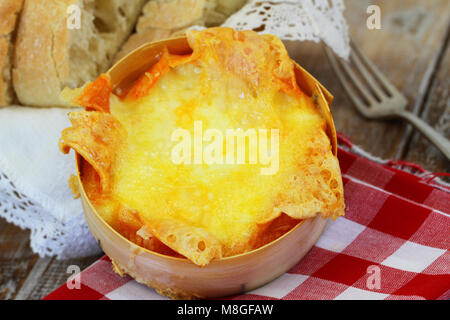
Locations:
(431, 134)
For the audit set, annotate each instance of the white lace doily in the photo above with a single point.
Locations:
(33, 173)
(300, 20)
(34, 193)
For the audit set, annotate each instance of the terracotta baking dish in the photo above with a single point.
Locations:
(179, 278)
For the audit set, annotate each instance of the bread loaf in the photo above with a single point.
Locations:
(9, 13)
(164, 18)
(50, 56)
(217, 11)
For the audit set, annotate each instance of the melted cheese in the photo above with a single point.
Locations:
(232, 80)
(226, 200)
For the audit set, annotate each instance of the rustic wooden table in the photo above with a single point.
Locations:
(412, 50)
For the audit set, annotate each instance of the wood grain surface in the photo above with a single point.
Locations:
(411, 49)
(407, 50)
(436, 111)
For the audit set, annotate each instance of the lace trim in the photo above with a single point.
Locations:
(49, 236)
(313, 20)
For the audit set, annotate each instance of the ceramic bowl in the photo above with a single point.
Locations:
(179, 278)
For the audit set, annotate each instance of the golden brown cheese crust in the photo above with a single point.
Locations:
(257, 59)
(262, 64)
(96, 136)
(320, 182)
(196, 244)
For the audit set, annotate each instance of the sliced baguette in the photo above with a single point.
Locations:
(9, 13)
(164, 18)
(50, 56)
(160, 18)
(170, 14)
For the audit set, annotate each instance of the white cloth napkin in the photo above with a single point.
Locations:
(34, 193)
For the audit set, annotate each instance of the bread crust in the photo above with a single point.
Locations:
(49, 56)
(170, 14)
(9, 12)
(39, 50)
(162, 19)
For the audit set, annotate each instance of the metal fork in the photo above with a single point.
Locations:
(377, 98)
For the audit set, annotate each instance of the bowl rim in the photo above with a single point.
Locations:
(183, 39)
(326, 95)
(79, 158)
(316, 89)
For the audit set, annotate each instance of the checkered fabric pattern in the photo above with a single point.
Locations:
(396, 226)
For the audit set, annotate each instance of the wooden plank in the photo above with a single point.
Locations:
(437, 113)
(23, 275)
(422, 96)
(16, 259)
(49, 274)
(34, 278)
(405, 50)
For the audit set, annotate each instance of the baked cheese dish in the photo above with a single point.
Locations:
(207, 155)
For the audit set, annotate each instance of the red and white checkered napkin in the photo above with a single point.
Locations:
(397, 227)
